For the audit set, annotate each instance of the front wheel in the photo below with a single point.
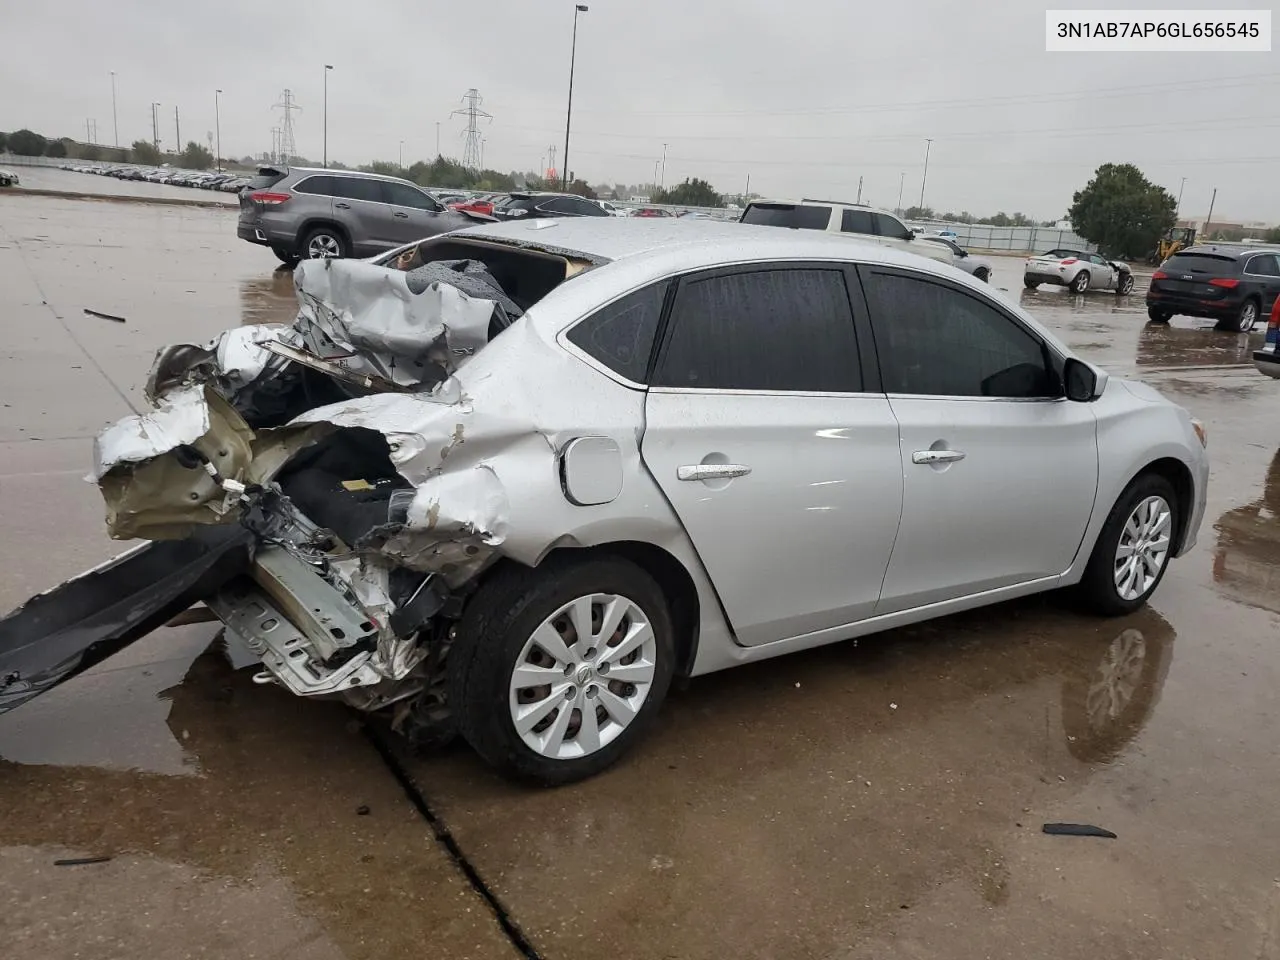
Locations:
(556, 671)
(1081, 283)
(1125, 286)
(1133, 549)
(1030, 284)
(1156, 315)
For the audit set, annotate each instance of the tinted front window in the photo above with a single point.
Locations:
(1264, 265)
(357, 188)
(621, 335)
(937, 341)
(406, 196)
(586, 208)
(786, 329)
(889, 227)
(317, 186)
(856, 221)
(788, 215)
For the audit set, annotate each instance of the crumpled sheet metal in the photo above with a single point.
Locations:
(233, 360)
(180, 417)
(370, 316)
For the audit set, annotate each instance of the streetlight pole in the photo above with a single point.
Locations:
(217, 122)
(902, 182)
(663, 183)
(483, 141)
(437, 138)
(327, 68)
(114, 122)
(401, 154)
(924, 179)
(568, 116)
(155, 127)
(1179, 206)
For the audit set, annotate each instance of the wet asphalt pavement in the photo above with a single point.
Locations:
(874, 799)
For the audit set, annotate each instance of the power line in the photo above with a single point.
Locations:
(473, 150)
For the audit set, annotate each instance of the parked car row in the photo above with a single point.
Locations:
(174, 176)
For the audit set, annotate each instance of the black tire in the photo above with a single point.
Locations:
(1097, 589)
(982, 275)
(284, 254)
(1246, 318)
(1156, 315)
(501, 617)
(329, 237)
(1125, 286)
(1030, 284)
(1081, 282)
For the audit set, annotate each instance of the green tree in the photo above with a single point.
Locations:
(1272, 235)
(691, 193)
(56, 148)
(143, 151)
(919, 213)
(1122, 211)
(195, 157)
(4, 143)
(27, 144)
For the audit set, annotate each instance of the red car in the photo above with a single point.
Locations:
(652, 212)
(482, 205)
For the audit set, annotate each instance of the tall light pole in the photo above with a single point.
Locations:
(437, 138)
(1179, 206)
(924, 179)
(568, 116)
(114, 122)
(217, 122)
(662, 184)
(483, 141)
(327, 68)
(902, 182)
(155, 127)
(401, 154)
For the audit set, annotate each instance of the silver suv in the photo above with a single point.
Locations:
(303, 212)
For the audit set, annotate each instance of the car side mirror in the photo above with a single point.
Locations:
(1081, 381)
(911, 235)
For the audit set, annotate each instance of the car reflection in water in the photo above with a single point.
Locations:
(1168, 345)
(1246, 563)
(269, 299)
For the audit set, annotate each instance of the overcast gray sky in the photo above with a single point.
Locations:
(803, 96)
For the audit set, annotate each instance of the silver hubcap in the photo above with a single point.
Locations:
(1116, 680)
(1126, 284)
(583, 676)
(1082, 283)
(1248, 317)
(323, 245)
(1143, 548)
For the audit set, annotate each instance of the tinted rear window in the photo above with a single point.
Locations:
(788, 215)
(357, 188)
(320, 186)
(267, 177)
(1209, 263)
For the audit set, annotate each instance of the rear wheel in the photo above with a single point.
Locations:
(555, 672)
(324, 243)
(1244, 320)
(1030, 284)
(1133, 549)
(284, 254)
(1125, 286)
(1156, 315)
(1081, 283)
(982, 274)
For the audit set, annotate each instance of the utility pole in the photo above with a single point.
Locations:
(747, 196)
(568, 115)
(401, 154)
(655, 174)
(88, 137)
(1179, 206)
(289, 126)
(437, 138)
(177, 131)
(663, 183)
(217, 119)
(115, 123)
(1209, 219)
(483, 141)
(155, 127)
(902, 182)
(472, 152)
(859, 200)
(924, 179)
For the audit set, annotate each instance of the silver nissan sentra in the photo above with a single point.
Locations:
(510, 481)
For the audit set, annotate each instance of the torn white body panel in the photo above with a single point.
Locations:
(180, 417)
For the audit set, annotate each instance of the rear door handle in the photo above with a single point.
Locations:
(402, 216)
(343, 206)
(936, 456)
(712, 471)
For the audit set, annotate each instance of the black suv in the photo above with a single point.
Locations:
(546, 205)
(1234, 285)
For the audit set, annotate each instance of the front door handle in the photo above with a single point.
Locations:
(936, 456)
(712, 471)
(343, 206)
(402, 216)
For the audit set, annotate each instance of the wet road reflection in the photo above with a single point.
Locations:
(1172, 345)
(1246, 558)
(269, 298)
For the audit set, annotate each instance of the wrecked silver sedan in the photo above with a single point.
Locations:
(509, 482)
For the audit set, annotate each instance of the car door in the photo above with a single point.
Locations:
(1263, 272)
(767, 434)
(896, 234)
(360, 206)
(414, 215)
(1103, 274)
(999, 471)
(859, 222)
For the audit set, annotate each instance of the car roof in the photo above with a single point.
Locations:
(810, 202)
(345, 173)
(618, 238)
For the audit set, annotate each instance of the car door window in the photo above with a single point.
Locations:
(935, 340)
(357, 188)
(318, 186)
(621, 335)
(555, 205)
(405, 196)
(891, 227)
(1094, 258)
(787, 329)
(587, 209)
(1263, 265)
(856, 221)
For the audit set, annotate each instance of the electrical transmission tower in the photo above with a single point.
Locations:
(472, 153)
(288, 148)
(550, 172)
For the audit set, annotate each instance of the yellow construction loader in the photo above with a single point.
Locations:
(1177, 239)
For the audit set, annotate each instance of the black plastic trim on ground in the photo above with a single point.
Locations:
(446, 839)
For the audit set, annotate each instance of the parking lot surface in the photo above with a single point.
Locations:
(875, 799)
